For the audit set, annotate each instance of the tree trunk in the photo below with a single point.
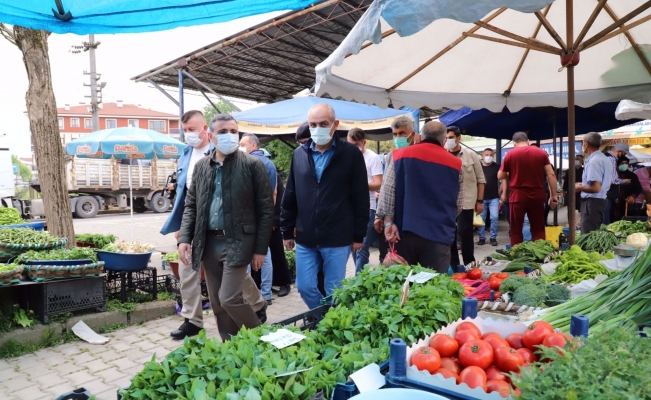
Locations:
(43, 122)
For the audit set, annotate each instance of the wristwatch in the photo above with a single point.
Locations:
(387, 224)
(480, 201)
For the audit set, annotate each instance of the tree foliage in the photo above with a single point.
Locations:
(23, 170)
(224, 108)
(281, 156)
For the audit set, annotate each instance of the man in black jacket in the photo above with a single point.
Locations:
(325, 206)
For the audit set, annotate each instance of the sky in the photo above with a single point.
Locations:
(119, 58)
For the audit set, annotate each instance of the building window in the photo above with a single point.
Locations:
(133, 123)
(60, 123)
(111, 124)
(158, 126)
(88, 123)
(74, 122)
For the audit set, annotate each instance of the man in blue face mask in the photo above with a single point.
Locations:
(227, 224)
(325, 208)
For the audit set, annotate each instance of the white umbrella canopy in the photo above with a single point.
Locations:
(454, 64)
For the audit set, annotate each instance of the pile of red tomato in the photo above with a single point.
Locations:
(484, 360)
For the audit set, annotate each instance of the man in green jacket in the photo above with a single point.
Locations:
(227, 224)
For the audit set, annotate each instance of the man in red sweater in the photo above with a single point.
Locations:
(525, 168)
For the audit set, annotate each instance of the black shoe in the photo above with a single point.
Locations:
(493, 242)
(269, 302)
(481, 242)
(186, 329)
(262, 314)
(284, 290)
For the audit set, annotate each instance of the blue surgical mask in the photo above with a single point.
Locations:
(228, 143)
(193, 139)
(320, 135)
(623, 167)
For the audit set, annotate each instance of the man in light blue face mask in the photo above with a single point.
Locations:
(227, 224)
(325, 208)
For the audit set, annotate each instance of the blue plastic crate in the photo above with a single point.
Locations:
(346, 390)
(37, 226)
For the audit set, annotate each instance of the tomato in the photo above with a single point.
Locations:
(469, 325)
(501, 387)
(459, 275)
(515, 340)
(493, 373)
(476, 353)
(496, 341)
(527, 354)
(475, 274)
(521, 273)
(556, 340)
(487, 334)
(508, 360)
(495, 283)
(473, 377)
(536, 334)
(451, 364)
(503, 275)
(447, 373)
(445, 345)
(426, 359)
(465, 336)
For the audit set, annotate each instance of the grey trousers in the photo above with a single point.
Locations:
(191, 294)
(225, 288)
(592, 214)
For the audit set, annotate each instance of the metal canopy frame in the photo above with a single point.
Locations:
(268, 62)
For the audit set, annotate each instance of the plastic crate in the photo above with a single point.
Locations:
(309, 319)
(125, 285)
(173, 286)
(37, 226)
(77, 394)
(57, 297)
(346, 390)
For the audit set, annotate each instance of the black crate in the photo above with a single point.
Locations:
(308, 319)
(136, 286)
(57, 297)
(173, 286)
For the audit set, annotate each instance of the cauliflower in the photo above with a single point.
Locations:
(530, 295)
(129, 247)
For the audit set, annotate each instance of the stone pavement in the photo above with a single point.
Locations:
(103, 369)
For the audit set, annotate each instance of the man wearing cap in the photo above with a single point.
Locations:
(618, 151)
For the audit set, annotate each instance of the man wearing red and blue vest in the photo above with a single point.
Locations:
(420, 199)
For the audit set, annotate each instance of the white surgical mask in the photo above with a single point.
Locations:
(488, 159)
(243, 149)
(577, 163)
(321, 135)
(451, 144)
(192, 138)
(227, 143)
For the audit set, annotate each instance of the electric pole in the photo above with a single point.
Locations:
(95, 92)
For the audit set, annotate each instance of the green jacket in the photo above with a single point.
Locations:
(247, 207)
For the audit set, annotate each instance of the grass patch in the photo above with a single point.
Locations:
(14, 349)
(112, 328)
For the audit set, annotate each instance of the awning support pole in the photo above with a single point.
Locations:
(498, 150)
(571, 172)
(181, 105)
(555, 166)
(286, 143)
(169, 96)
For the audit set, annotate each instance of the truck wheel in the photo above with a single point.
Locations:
(139, 205)
(159, 203)
(86, 207)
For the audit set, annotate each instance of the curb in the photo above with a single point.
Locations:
(143, 313)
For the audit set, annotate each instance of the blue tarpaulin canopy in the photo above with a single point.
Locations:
(129, 16)
(538, 122)
(284, 117)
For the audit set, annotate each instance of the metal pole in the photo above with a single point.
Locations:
(571, 172)
(181, 105)
(131, 201)
(555, 164)
(498, 150)
(93, 84)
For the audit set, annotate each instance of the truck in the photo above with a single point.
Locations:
(95, 184)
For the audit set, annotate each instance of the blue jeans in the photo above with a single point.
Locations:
(361, 256)
(526, 229)
(492, 206)
(267, 276)
(308, 261)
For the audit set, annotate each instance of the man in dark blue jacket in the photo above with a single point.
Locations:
(420, 199)
(325, 207)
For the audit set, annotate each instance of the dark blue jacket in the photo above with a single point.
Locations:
(330, 213)
(427, 187)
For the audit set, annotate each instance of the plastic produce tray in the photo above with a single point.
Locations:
(124, 285)
(57, 297)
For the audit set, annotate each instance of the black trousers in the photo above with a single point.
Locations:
(382, 246)
(465, 230)
(592, 214)
(281, 275)
(418, 250)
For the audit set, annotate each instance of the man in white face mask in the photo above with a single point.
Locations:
(227, 225)
(491, 197)
(473, 195)
(325, 208)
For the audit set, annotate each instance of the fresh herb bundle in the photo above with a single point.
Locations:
(9, 216)
(98, 240)
(610, 364)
